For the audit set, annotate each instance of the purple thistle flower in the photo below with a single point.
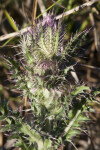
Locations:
(49, 20)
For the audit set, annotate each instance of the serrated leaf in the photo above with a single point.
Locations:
(75, 41)
(33, 135)
(72, 133)
(82, 118)
(79, 89)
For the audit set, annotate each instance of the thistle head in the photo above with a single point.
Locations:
(45, 39)
(49, 20)
(44, 56)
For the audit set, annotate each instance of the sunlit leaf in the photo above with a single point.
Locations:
(10, 20)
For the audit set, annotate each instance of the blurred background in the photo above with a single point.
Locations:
(21, 14)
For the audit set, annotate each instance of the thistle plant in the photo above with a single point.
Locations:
(42, 74)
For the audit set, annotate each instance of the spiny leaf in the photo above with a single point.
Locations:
(34, 135)
(75, 41)
(79, 89)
